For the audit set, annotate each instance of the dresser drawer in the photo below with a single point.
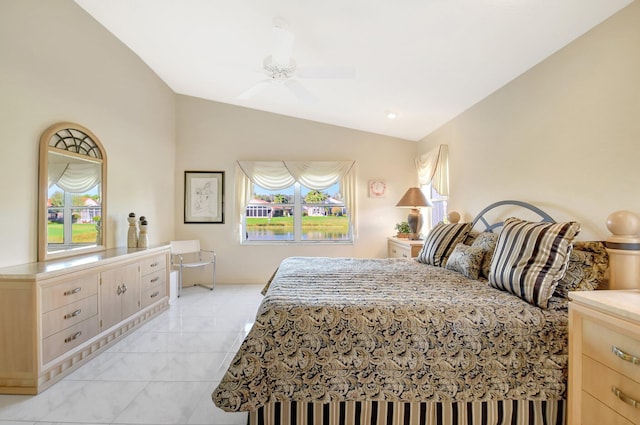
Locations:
(154, 279)
(598, 380)
(152, 295)
(68, 315)
(68, 292)
(153, 264)
(599, 342)
(596, 413)
(397, 251)
(61, 342)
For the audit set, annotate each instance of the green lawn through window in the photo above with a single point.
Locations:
(80, 233)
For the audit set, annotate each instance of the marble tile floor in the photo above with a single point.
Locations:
(162, 373)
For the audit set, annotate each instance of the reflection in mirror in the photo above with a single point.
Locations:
(72, 192)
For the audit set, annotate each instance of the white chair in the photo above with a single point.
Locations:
(187, 254)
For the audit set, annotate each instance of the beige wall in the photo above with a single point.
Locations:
(213, 136)
(58, 64)
(565, 135)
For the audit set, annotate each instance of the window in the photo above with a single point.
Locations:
(439, 210)
(433, 174)
(309, 208)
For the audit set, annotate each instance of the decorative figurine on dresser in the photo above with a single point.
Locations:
(143, 238)
(132, 235)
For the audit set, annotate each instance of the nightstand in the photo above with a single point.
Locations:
(604, 357)
(403, 248)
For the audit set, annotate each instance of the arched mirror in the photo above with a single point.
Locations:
(72, 192)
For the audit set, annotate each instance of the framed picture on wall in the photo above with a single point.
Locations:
(377, 188)
(204, 196)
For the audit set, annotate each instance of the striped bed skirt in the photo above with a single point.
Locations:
(502, 412)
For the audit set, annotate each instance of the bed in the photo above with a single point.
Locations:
(426, 341)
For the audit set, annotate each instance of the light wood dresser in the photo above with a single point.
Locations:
(403, 248)
(604, 357)
(55, 315)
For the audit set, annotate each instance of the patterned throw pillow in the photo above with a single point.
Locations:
(587, 266)
(530, 258)
(471, 237)
(487, 241)
(441, 241)
(466, 260)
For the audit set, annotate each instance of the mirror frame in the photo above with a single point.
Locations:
(43, 190)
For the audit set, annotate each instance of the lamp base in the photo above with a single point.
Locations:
(415, 222)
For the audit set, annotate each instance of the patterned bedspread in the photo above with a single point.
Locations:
(332, 329)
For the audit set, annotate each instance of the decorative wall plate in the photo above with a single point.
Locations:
(377, 188)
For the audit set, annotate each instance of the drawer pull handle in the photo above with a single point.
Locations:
(72, 337)
(155, 294)
(155, 279)
(73, 291)
(74, 314)
(624, 356)
(154, 264)
(622, 396)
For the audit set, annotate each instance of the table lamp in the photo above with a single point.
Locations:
(414, 198)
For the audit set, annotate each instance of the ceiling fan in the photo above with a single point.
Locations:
(281, 69)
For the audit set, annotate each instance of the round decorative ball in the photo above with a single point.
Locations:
(624, 223)
(453, 217)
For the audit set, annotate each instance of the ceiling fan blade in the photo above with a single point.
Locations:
(282, 46)
(300, 91)
(254, 90)
(326, 72)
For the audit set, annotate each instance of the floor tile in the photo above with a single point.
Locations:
(163, 403)
(207, 413)
(96, 402)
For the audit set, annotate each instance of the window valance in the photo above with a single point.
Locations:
(433, 168)
(277, 175)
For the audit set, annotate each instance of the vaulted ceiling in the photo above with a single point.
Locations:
(355, 60)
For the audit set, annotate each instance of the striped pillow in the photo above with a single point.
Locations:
(441, 241)
(530, 258)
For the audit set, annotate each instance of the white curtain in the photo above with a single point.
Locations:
(272, 175)
(433, 168)
(348, 188)
(243, 196)
(318, 175)
(277, 175)
(74, 177)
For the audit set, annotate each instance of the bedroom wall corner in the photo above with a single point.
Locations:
(563, 136)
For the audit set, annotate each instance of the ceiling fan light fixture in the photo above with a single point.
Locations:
(278, 72)
(391, 115)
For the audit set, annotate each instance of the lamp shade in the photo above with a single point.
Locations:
(414, 198)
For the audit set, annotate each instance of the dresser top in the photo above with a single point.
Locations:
(30, 271)
(406, 241)
(623, 303)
